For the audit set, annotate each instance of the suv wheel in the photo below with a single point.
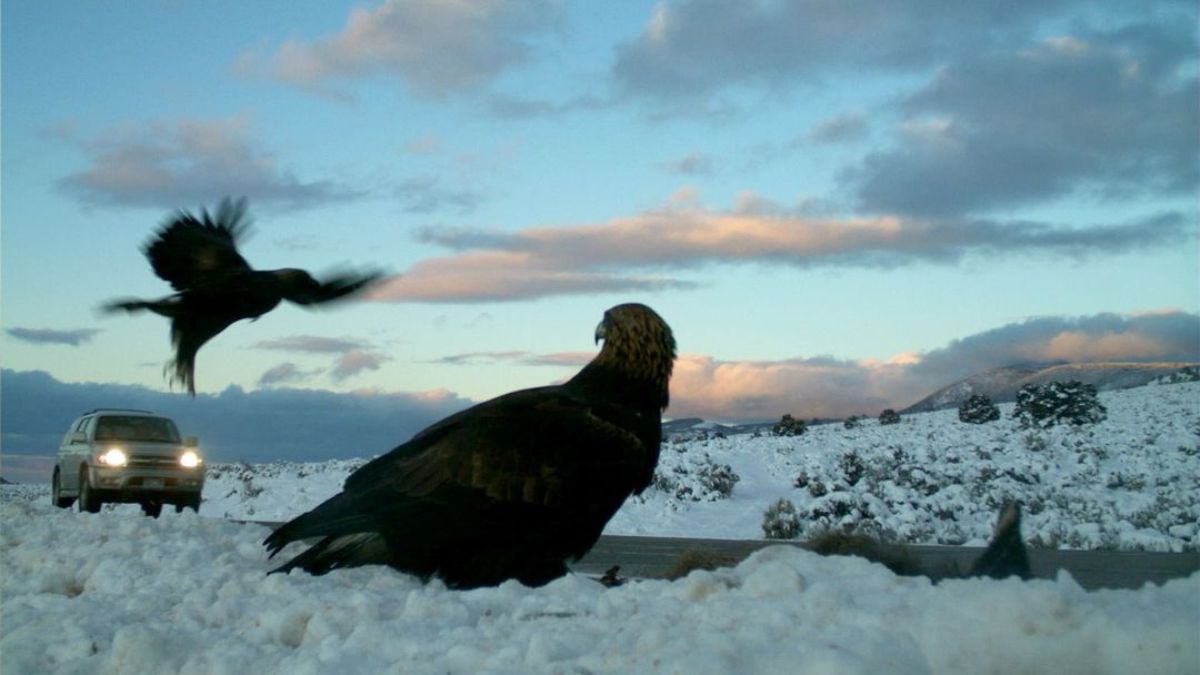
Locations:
(88, 501)
(152, 509)
(190, 502)
(56, 497)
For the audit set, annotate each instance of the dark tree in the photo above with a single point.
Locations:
(978, 409)
(789, 426)
(1045, 405)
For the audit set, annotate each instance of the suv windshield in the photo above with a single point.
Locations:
(129, 428)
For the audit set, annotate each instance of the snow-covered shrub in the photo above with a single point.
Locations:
(852, 467)
(780, 520)
(718, 479)
(697, 481)
(978, 409)
(789, 426)
(1045, 405)
(841, 511)
(1034, 442)
(889, 416)
(851, 422)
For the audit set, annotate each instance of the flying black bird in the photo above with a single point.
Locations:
(215, 286)
(511, 488)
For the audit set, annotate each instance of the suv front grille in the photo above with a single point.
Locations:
(152, 462)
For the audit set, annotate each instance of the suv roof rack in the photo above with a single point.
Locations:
(135, 410)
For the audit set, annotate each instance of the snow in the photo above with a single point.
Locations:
(109, 593)
(1131, 482)
(116, 592)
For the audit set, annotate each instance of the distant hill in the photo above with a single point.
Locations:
(1002, 384)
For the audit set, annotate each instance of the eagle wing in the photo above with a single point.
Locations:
(301, 288)
(536, 447)
(188, 251)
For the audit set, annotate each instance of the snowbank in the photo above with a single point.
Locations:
(108, 593)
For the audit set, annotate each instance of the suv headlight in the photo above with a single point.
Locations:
(113, 457)
(190, 459)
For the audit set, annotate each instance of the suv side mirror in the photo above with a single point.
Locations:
(191, 442)
(79, 437)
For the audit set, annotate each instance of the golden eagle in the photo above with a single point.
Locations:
(215, 286)
(511, 488)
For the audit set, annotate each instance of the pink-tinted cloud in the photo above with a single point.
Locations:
(434, 46)
(738, 390)
(825, 387)
(614, 256)
(501, 276)
(559, 359)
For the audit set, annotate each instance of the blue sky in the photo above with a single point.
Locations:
(837, 206)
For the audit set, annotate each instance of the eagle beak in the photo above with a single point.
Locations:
(600, 331)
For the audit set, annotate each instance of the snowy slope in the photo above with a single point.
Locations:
(113, 594)
(1002, 384)
(1131, 482)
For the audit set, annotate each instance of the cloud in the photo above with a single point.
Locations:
(1159, 336)
(48, 336)
(577, 259)
(356, 361)
(693, 164)
(353, 357)
(313, 344)
(841, 129)
(435, 47)
(425, 194)
(558, 359)
(493, 276)
(1102, 112)
(696, 48)
(284, 373)
(166, 165)
(827, 387)
(254, 426)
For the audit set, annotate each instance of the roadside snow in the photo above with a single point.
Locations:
(109, 593)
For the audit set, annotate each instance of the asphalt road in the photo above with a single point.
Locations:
(656, 557)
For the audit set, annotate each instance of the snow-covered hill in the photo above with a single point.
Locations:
(1002, 384)
(1131, 482)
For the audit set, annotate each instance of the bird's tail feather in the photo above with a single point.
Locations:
(332, 552)
(336, 517)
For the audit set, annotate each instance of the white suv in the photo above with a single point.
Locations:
(130, 456)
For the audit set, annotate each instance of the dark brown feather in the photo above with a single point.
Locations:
(216, 287)
(514, 487)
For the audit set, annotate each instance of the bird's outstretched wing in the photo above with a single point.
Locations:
(301, 288)
(188, 251)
